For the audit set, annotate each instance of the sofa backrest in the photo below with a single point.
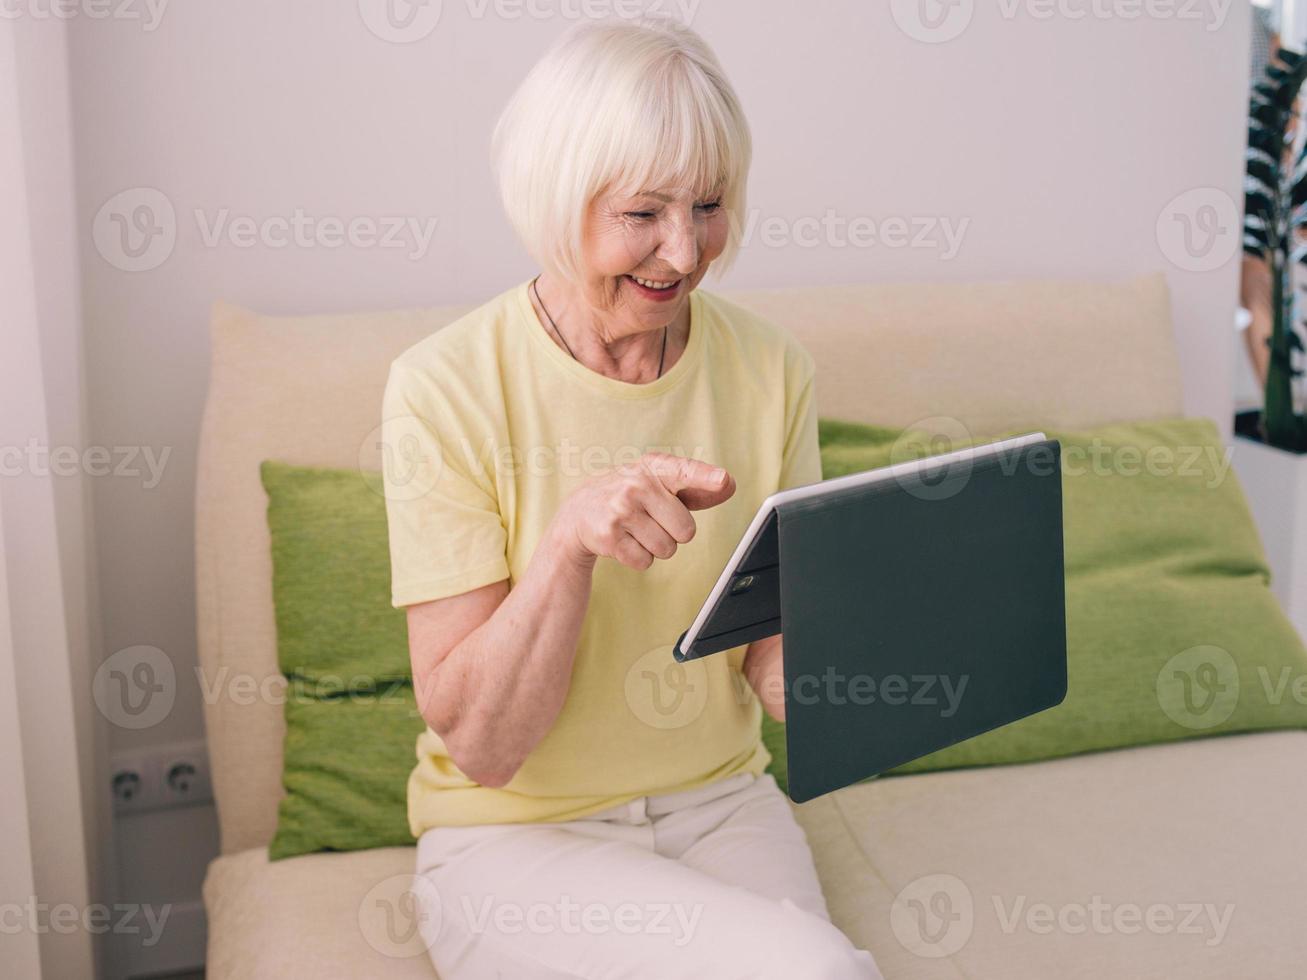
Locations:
(991, 356)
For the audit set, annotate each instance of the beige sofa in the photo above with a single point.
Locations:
(1114, 864)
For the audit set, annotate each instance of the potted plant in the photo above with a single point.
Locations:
(1271, 444)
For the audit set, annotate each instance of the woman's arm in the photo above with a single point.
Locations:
(764, 668)
(492, 667)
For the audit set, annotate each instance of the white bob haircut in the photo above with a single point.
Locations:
(618, 105)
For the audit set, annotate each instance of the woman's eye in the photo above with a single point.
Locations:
(711, 206)
(640, 215)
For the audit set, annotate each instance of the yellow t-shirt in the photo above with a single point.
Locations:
(488, 426)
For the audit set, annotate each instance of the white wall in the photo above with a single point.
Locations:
(48, 621)
(1062, 146)
(1059, 141)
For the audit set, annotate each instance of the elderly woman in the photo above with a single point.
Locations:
(589, 445)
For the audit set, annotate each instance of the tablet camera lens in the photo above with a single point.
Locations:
(742, 584)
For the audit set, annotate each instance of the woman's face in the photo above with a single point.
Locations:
(663, 236)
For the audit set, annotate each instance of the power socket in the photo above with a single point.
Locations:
(162, 777)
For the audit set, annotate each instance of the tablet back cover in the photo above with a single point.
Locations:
(919, 613)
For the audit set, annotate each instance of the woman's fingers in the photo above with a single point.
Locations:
(670, 513)
(697, 484)
(631, 553)
(651, 535)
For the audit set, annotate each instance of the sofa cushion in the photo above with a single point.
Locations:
(319, 916)
(1135, 857)
(351, 716)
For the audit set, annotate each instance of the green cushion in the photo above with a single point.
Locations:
(351, 719)
(1157, 565)
(1172, 631)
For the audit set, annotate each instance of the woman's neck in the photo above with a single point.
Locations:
(631, 357)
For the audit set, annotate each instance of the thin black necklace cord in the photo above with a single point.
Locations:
(661, 357)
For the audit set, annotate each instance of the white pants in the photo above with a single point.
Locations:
(714, 882)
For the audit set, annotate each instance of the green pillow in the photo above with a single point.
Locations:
(1172, 631)
(351, 718)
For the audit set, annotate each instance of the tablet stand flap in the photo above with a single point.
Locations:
(920, 612)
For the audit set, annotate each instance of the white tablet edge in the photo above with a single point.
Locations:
(867, 477)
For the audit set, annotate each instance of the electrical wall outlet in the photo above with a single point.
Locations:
(185, 776)
(129, 787)
(157, 778)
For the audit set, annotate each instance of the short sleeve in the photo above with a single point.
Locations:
(801, 458)
(445, 529)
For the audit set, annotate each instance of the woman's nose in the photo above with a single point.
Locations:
(680, 246)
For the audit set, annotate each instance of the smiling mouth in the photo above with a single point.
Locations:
(656, 284)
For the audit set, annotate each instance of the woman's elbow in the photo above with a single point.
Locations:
(476, 757)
